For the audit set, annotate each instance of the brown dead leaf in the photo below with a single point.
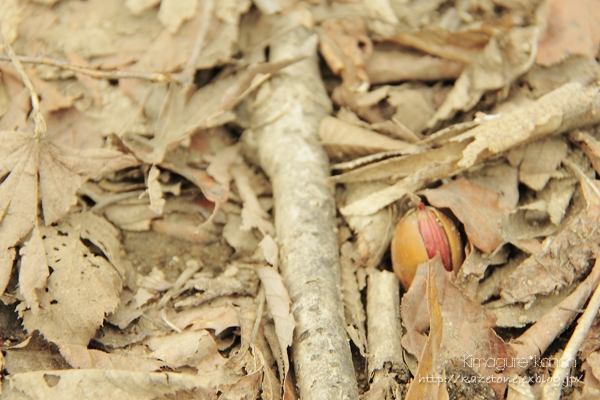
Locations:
(476, 207)
(345, 46)
(572, 27)
(589, 145)
(31, 165)
(461, 46)
(81, 288)
(10, 16)
(566, 257)
(503, 59)
(386, 66)
(538, 161)
(459, 314)
(429, 363)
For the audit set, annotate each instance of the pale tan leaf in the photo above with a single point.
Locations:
(400, 167)
(34, 269)
(278, 301)
(503, 59)
(18, 200)
(191, 348)
(244, 242)
(373, 232)
(63, 170)
(57, 173)
(216, 315)
(173, 13)
(157, 202)
(99, 384)
(461, 46)
(219, 166)
(81, 289)
(139, 6)
(270, 250)
(344, 139)
(253, 215)
(539, 161)
(83, 358)
(10, 16)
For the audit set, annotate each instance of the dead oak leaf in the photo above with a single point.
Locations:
(82, 287)
(36, 169)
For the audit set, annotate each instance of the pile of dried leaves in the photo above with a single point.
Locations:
(193, 204)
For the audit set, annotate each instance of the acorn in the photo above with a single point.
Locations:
(422, 233)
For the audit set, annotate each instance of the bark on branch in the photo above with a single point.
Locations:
(285, 119)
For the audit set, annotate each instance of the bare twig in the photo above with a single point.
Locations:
(97, 73)
(38, 120)
(552, 388)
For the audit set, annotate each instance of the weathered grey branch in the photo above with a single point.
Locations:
(285, 119)
(384, 330)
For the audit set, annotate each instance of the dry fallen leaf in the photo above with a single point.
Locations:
(278, 301)
(81, 287)
(476, 207)
(572, 27)
(38, 166)
(565, 258)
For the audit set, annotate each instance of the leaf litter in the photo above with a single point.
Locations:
(139, 245)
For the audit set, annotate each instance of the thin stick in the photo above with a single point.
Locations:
(38, 120)
(94, 72)
(552, 388)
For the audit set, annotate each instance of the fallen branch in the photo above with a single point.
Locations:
(285, 118)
